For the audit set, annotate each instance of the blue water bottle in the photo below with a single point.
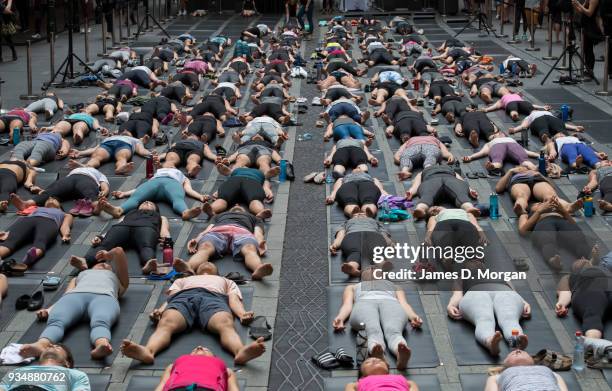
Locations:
(578, 364)
(542, 163)
(493, 206)
(587, 205)
(501, 68)
(16, 136)
(329, 178)
(564, 113)
(282, 176)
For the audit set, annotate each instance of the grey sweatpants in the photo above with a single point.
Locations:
(102, 311)
(481, 308)
(385, 320)
(98, 65)
(39, 150)
(45, 105)
(425, 154)
(267, 130)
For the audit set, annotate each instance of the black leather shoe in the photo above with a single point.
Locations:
(36, 302)
(22, 302)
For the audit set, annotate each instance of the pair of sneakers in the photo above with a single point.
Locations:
(83, 208)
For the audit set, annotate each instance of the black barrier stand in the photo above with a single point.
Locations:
(549, 56)
(605, 92)
(513, 41)
(483, 24)
(29, 95)
(532, 47)
(145, 22)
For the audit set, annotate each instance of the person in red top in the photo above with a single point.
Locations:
(200, 368)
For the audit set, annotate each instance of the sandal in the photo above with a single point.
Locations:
(236, 277)
(290, 172)
(12, 268)
(259, 328)
(325, 360)
(471, 175)
(520, 264)
(481, 174)
(344, 359)
(553, 360)
(495, 172)
(51, 282)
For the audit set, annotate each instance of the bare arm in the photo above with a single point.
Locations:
(232, 379)
(164, 378)
(236, 304)
(65, 227)
(347, 303)
(491, 384)
(190, 192)
(496, 106)
(164, 230)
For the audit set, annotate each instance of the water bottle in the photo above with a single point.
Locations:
(415, 84)
(493, 206)
(167, 251)
(564, 113)
(150, 167)
(282, 176)
(578, 364)
(514, 339)
(16, 136)
(319, 66)
(362, 344)
(329, 178)
(501, 68)
(542, 164)
(587, 204)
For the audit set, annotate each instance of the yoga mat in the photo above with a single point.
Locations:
(186, 342)
(166, 209)
(148, 383)
(224, 264)
(420, 341)
(115, 182)
(132, 304)
(99, 382)
(477, 381)
(425, 382)
(55, 251)
(43, 180)
(469, 352)
(108, 168)
(570, 322)
(17, 286)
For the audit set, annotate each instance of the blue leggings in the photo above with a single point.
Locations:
(344, 108)
(569, 152)
(158, 190)
(348, 130)
(102, 311)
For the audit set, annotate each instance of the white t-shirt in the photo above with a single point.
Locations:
(537, 114)
(343, 100)
(501, 140)
(227, 84)
(133, 142)
(264, 119)
(505, 62)
(173, 173)
(375, 45)
(561, 141)
(90, 172)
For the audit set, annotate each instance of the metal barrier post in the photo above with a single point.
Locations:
(86, 34)
(29, 95)
(502, 15)
(532, 47)
(550, 56)
(114, 23)
(605, 92)
(513, 41)
(104, 48)
(121, 37)
(52, 53)
(128, 19)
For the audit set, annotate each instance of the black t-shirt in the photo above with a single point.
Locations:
(241, 219)
(142, 218)
(263, 143)
(142, 116)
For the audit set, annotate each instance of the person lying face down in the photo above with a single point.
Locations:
(520, 372)
(206, 301)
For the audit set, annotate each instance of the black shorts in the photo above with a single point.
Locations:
(395, 106)
(334, 94)
(159, 107)
(410, 126)
(275, 92)
(334, 66)
(546, 125)
(440, 89)
(166, 55)
(137, 128)
(423, 63)
(279, 55)
(102, 103)
(529, 181)
(174, 92)
(240, 67)
(120, 90)
(204, 126)
(276, 67)
(444, 188)
(479, 122)
(185, 150)
(381, 56)
(458, 53)
(189, 79)
(226, 92)
(268, 78)
(236, 190)
(137, 76)
(521, 107)
(390, 87)
(350, 157)
(338, 75)
(8, 183)
(358, 193)
(211, 104)
(273, 110)
(198, 305)
(359, 246)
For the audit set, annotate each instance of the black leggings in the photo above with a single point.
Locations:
(142, 239)
(553, 232)
(381, 56)
(440, 89)
(440, 188)
(334, 66)
(238, 189)
(174, 92)
(359, 246)
(137, 128)
(120, 90)
(8, 183)
(72, 187)
(204, 126)
(455, 233)
(479, 122)
(546, 125)
(358, 193)
(334, 94)
(411, 127)
(453, 106)
(522, 107)
(159, 107)
(349, 157)
(605, 188)
(520, 12)
(423, 63)
(591, 307)
(394, 106)
(40, 231)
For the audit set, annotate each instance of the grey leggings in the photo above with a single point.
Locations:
(384, 319)
(102, 311)
(38, 150)
(42, 106)
(425, 154)
(481, 308)
(100, 64)
(267, 130)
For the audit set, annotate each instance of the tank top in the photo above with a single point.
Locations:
(527, 378)
(142, 218)
(452, 214)
(375, 290)
(501, 140)
(53, 138)
(509, 98)
(358, 177)
(590, 279)
(203, 371)
(603, 172)
(88, 119)
(348, 142)
(54, 214)
(436, 170)
(383, 383)
(250, 173)
(21, 113)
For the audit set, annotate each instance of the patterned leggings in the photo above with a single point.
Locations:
(426, 154)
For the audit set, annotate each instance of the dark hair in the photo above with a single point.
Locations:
(69, 356)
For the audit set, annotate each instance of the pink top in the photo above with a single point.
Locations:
(127, 82)
(383, 383)
(215, 284)
(509, 98)
(205, 371)
(197, 66)
(21, 113)
(417, 140)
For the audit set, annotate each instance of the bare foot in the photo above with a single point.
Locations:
(31, 350)
(604, 205)
(102, 350)
(576, 205)
(124, 169)
(262, 271)
(403, 175)
(114, 211)
(579, 161)
(523, 341)
(264, 214)
(595, 255)
(249, 352)
(150, 266)
(78, 139)
(194, 171)
(473, 137)
(519, 209)
(378, 352)
(207, 208)
(3, 206)
(223, 169)
(78, 263)
(191, 213)
(555, 262)
(182, 266)
(351, 270)
(271, 173)
(403, 356)
(18, 202)
(493, 343)
(136, 352)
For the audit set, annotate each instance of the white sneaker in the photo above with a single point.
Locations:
(82, 30)
(36, 36)
(89, 29)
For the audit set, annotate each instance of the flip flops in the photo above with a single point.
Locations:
(12, 268)
(520, 264)
(329, 361)
(236, 277)
(259, 328)
(553, 360)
